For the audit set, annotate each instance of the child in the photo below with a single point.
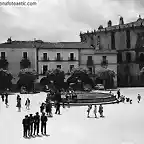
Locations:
(139, 98)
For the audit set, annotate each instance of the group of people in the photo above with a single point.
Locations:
(124, 99)
(100, 110)
(31, 124)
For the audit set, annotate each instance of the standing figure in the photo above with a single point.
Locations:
(57, 108)
(31, 122)
(43, 123)
(2, 96)
(118, 93)
(101, 110)
(36, 123)
(6, 99)
(95, 111)
(139, 98)
(68, 99)
(88, 110)
(27, 103)
(47, 109)
(25, 126)
(42, 108)
(19, 103)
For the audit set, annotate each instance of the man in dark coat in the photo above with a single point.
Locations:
(57, 108)
(118, 93)
(43, 123)
(31, 122)
(25, 126)
(2, 96)
(36, 123)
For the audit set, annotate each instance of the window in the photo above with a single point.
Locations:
(25, 55)
(104, 58)
(119, 57)
(141, 58)
(58, 55)
(44, 56)
(89, 58)
(45, 69)
(71, 67)
(98, 42)
(71, 56)
(128, 57)
(128, 38)
(59, 66)
(113, 41)
(3, 55)
(90, 70)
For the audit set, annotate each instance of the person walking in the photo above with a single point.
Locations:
(25, 126)
(27, 103)
(2, 96)
(139, 98)
(19, 103)
(57, 108)
(95, 111)
(31, 122)
(36, 123)
(101, 110)
(42, 107)
(118, 93)
(6, 99)
(43, 124)
(88, 110)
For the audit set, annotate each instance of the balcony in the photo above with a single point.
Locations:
(45, 59)
(58, 58)
(71, 58)
(90, 63)
(104, 63)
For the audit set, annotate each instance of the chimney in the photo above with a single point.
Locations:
(121, 21)
(109, 23)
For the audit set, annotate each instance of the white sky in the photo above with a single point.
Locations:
(62, 20)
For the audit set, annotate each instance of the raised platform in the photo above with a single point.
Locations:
(94, 97)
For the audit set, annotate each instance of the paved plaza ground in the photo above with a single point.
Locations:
(123, 123)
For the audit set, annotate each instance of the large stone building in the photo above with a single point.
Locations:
(128, 40)
(100, 52)
(15, 55)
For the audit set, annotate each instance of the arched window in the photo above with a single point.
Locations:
(141, 58)
(128, 57)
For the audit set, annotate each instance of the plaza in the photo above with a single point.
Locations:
(122, 124)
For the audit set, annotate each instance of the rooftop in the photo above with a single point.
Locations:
(41, 44)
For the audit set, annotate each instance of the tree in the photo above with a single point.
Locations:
(25, 63)
(56, 76)
(27, 78)
(3, 63)
(5, 79)
(80, 76)
(106, 76)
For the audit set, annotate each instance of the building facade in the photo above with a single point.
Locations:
(63, 55)
(128, 40)
(18, 55)
(100, 52)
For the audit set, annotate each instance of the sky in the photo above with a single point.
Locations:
(62, 20)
